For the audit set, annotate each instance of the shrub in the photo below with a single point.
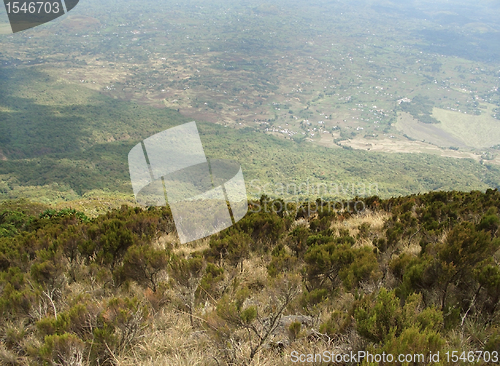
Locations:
(143, 264)
(382, 319)
(281, 261)
(208, 288)
(337, 324)
(332, 261)
(294, 330)
(65, 349)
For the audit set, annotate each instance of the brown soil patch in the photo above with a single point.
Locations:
(397, 146)
(426, 132)
(326, 140)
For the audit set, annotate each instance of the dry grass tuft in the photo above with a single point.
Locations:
(171, 341)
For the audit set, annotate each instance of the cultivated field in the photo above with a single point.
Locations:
(480, 132)
(289, 96)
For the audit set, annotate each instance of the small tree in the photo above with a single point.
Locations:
(334, 261)
(260, 320)
(232, 246)
(297, 240)
(187, 275)
(462, 251)
(144, 265)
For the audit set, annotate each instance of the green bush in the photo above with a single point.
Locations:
(65, 349)
(143, 264)
(381, 318)
(332, 262)
(337, 324)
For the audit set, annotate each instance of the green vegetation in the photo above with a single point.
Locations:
(421, 109)
(410, 274)
(87, 279)
(90, 136)
(337, 66)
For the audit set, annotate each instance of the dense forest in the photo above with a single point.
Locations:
(414, 274)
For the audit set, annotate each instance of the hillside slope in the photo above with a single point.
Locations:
(60, 142)
(408, 275)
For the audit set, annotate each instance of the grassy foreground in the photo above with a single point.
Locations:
(415, 274)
